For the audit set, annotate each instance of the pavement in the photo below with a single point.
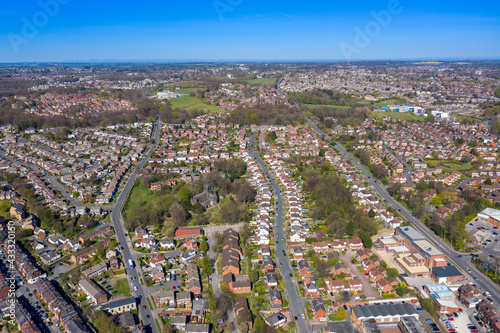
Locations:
(296, 303)
(461, 260)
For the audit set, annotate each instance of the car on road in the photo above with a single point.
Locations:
(144, 307)
(135, 287)
(302, 316)
(147, 316)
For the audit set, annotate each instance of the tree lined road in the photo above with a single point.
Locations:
(461, 260)
(295, 302)
(124, 241)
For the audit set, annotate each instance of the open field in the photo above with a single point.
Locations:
(187, 91)
(191, 103)
(265, 81)
(139, 197)
(312, 106)
(455, 165)
(398, 115)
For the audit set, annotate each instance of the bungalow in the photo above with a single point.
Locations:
(121, 306)
(188, 233)
(197, 328)
(276, 320)
(95, 270)
(157, 274)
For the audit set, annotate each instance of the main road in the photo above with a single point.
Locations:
(461, 260)
(295, 302)
(124, 241)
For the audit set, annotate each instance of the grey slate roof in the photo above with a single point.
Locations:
(372, 311)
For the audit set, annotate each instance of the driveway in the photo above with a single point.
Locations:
(367, 287)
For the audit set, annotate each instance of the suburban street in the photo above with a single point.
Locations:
(408, 168)
(296, 303)
(54, 182)
(124, 241)
(463, 261)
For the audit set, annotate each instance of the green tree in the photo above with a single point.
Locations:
(367, 240)
(203, 246)
(392, 272)
(350, 228)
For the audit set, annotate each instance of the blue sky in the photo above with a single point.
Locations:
(77, 30)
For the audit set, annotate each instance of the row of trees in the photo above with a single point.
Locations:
(321, 96)
(379, 171)
(354, 115)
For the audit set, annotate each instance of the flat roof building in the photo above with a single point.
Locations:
(382, 313)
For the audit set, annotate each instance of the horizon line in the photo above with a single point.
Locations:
(208, 61)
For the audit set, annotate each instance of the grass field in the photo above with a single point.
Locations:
(312, 106)
(397, 115)
(138, 197)
(265, 81)
(187, 91)
(191, 103)
(455, 165)
(122, 287)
